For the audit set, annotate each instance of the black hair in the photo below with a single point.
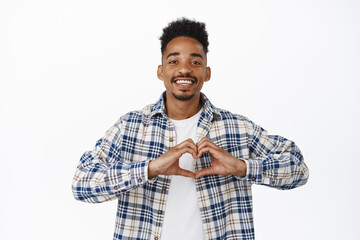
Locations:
(184, 27)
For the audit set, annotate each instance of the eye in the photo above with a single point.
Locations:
(196, 62)
(173, 62)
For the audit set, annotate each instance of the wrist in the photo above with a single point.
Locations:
(152, 170)
(241, 170)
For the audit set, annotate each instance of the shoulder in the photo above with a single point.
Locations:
(226, 115)
(136, 116)
(232, 120)
(220, 114)
(131, 121)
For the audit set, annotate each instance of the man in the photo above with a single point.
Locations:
(182, 168)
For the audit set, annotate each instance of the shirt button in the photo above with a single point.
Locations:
(171, 139)
(273, 182)
(139, 180)
(156, 238)
(159, 212)
(116, 188)
(253, 178)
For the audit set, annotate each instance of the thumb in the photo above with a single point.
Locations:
(204, 172)
(185, 173)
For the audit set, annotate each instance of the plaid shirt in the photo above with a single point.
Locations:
(118, 166)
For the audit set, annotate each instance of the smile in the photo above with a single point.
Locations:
(184, 81)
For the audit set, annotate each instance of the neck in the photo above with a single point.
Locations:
(179, 110)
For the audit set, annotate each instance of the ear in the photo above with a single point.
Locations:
(208, 74)
(160, 73)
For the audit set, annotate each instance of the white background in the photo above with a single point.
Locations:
(69, 69)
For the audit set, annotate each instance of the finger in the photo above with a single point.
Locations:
(187, 149)
(202, 141)
(206, 142)
(188, 144)
(187, 141)
(204, 172)
(210, 150)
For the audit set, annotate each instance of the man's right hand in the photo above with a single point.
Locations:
(168, 163)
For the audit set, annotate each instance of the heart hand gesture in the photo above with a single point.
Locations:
(168, 163)
(223, 163)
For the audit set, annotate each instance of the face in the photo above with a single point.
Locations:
(184, 69)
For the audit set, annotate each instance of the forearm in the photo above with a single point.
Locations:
(96, 181)
(277, 172)
(275, 161)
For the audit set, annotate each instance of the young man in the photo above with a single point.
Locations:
(182, 168)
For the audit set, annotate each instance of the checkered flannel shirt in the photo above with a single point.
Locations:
(118, 169)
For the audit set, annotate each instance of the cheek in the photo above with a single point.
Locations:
(202, 75)
(168, 73)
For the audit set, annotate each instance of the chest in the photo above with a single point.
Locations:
(151, 139)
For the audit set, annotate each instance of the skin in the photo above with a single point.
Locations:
(183, 56)
(184, 59)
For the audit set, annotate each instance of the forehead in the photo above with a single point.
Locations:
(184, 45)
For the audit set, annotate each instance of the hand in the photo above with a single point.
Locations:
(223, 163)
(168, 163)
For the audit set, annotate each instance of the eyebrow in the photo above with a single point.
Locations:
(172, 54)
(196, 55)
(191, 54)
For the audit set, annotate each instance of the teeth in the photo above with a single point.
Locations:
(183, 82)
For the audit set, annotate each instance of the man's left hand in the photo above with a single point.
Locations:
(223, 163)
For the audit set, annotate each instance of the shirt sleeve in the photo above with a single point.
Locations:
(274, 160)
(102, 175)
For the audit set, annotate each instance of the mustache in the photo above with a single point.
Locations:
(184, 76)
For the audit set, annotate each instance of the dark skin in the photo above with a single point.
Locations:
(184, 71)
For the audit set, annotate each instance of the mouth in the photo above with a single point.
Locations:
(184, 82)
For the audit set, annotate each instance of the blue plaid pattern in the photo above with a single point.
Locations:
(117, 169)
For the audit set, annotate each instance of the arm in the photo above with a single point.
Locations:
(101, 175)
(274, 161)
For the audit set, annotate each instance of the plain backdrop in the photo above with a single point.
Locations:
(69, 69)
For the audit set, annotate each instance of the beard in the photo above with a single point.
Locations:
(184, 96)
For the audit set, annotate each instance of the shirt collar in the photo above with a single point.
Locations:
(209, 110)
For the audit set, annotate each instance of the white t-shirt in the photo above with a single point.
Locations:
(182, 220)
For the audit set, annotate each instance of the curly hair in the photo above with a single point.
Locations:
(184, 27)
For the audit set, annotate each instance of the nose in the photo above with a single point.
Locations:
(184, 68)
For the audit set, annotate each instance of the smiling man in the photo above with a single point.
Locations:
(182, 168)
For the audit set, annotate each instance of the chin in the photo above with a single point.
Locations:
(183, 97)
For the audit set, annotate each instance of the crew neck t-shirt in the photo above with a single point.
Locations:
(182, 219)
